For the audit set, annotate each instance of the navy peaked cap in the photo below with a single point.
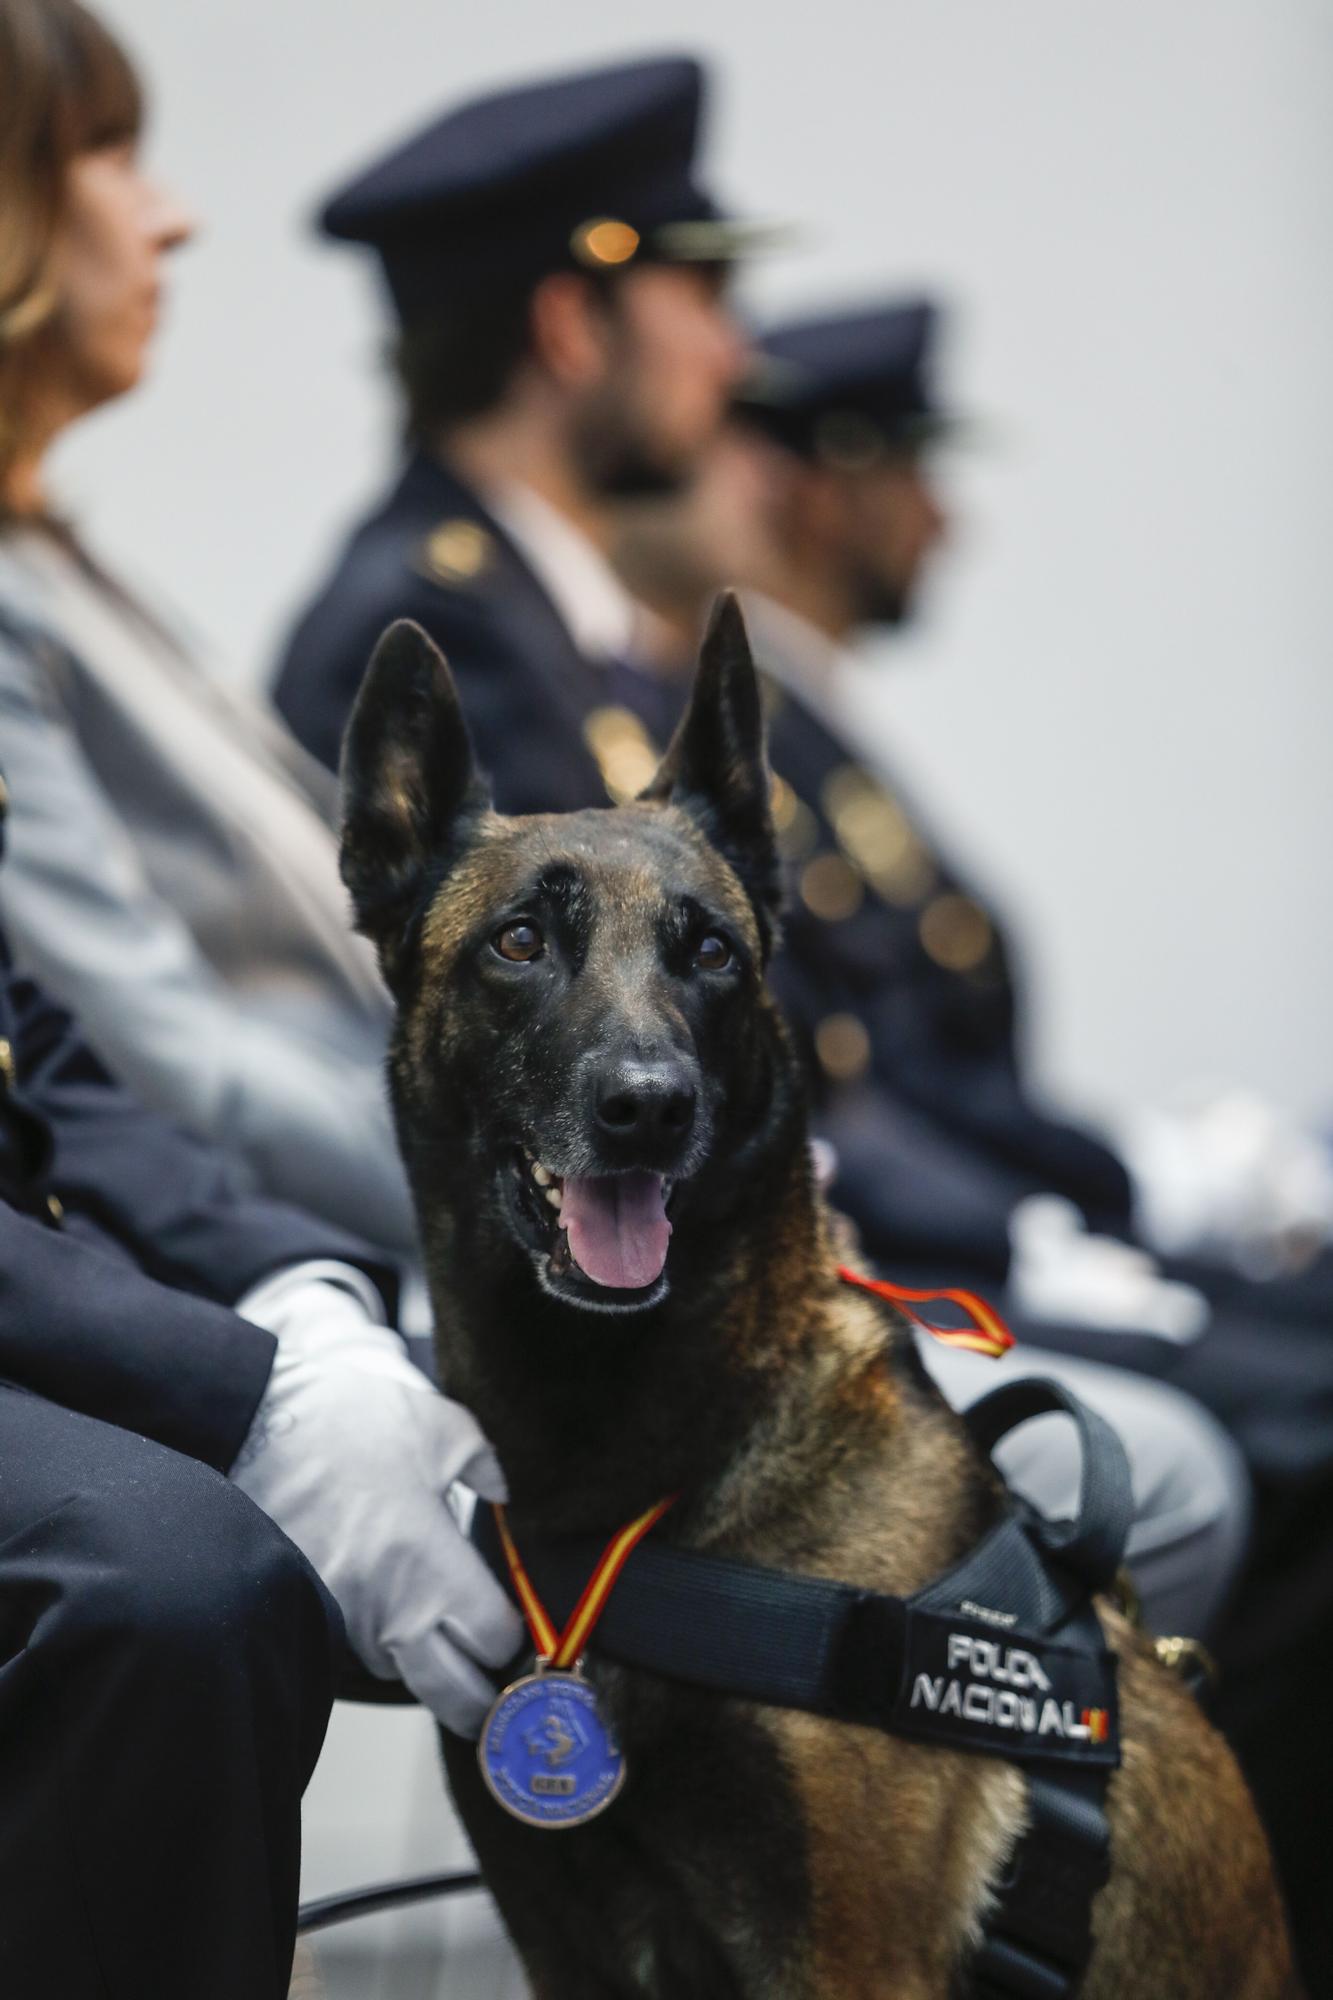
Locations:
(590, 170)
(847, 386)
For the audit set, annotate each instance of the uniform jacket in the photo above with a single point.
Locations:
(173, 877)
(123, 1244)
(898, 973)
(431, 551)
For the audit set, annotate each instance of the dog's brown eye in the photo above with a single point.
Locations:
(519, 942)
(712, 953)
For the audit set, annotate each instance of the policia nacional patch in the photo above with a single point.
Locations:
(967, 1686)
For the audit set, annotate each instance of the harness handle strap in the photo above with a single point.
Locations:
(1093, 1544)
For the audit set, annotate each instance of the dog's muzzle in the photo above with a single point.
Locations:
(599, 1241)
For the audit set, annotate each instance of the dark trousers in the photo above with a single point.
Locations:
(166, 1674)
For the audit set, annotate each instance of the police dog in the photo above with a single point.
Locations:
(634, 1282)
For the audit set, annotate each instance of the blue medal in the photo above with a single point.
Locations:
(547, 1753)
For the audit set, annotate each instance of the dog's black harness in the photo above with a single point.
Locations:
(1003, 1656)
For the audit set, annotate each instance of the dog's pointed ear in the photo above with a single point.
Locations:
(412, 794)
(716, 768)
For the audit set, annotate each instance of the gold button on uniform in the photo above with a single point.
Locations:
(843, 1047)
(456, 551)
(797, 830)
(831, 889)
(8, 1067)
(794, 824)
(626, 755)
(875, 832)
(955, 932)
(782, 803)
(55, 1209)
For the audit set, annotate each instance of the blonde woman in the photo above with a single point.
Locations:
(172, 866)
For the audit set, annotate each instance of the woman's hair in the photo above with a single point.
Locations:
(66, 87)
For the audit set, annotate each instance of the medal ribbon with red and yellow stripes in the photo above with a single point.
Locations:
(987, 1333)
(565, 1649)
(547, 1753)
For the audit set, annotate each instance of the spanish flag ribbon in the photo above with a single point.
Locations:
(987, 1334)
(562, 1649)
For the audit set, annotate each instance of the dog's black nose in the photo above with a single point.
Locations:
(645, 1104)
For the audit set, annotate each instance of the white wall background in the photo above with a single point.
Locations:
(1121, 699)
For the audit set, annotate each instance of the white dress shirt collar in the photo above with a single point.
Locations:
(598, 611)
(804, 661)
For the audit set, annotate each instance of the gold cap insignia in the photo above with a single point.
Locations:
(604, 242)
(456, 551)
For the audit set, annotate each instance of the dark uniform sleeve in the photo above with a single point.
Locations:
(322, 671)
(918, 1196)
(986, 1103)
(898, 981)
(516, 745)
(89, 1331)
(525, 688)
(377, 580)
(123, 1244)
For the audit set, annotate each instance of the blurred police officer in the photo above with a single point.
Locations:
(850, 404)
(916, 981)
(558, 276)
(897, 977)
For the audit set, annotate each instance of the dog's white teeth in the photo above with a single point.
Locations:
(555, 1195)
(542, 1175)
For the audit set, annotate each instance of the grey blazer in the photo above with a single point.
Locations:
(172, 876)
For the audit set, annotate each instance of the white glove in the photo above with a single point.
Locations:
(1225, 1174)
(352, 1452)
(1059, 1272)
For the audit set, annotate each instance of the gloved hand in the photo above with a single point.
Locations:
(1227, 1176)
(352, 1452)
(1060, 1272)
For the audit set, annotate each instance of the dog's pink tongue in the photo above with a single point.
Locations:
(618, 1228)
